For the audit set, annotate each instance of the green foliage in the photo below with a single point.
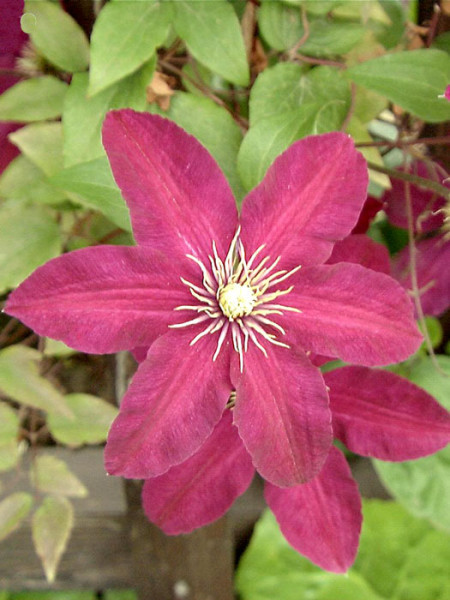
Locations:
(29, 236)
(95, 187)
(21, 381)
(9, 425)
(281, 26)
(57, 36)
(413, 80)
(13, 510)
(400, 558)
(51, 526)
(89, 424)
(247, 81)
(23, 180)
(214, 127)
(51, 475)
(42, 144)
(124, 38)
(211, 32)
(313, 103)
(33, 100)
(83, 143)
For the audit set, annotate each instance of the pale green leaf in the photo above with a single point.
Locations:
(57, 348)
(314, 103)
(50, 475)
(425, 575)
(411, 79)
(442, 42)
(42, 144)
(95, 188)
(212, 34)
(281, 26)
(29, 236)
(57, 36)
(9, 450)
(215, 128)
(423, 485)
(92, 418)
(13, 510)
(83, 116)
(33, 100)
(20, 380)
(270, 569)
(51, 527)
(279, 89)
(400, 558)
(23, 180)
(368, 105)
(124, 37)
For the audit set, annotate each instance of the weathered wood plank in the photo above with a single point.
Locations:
(198, 566)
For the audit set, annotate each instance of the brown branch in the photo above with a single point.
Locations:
(206, 91)
(292, 52)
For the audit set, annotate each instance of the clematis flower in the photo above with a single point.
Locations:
(229, 307)
(433, 251)
(375, 413)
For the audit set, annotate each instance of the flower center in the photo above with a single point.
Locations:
(237, 300)
(238, 297)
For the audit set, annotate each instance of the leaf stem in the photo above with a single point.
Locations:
(439, 189)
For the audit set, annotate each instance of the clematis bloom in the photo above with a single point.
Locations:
(432, 243)
(230, 308)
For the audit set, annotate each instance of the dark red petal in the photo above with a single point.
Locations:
(11, 33)
(172, 405)
(361, 250)
(310, 197)
(425, 203)
(201, 489)
(371, 207)
(433, 273)
(282, 414)
(352, 313)
(377, 413)
(101, 299)
(178, 198)
(322, 518)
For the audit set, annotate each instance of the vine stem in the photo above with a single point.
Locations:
(413, 270)
(400, 143)
(439, 189)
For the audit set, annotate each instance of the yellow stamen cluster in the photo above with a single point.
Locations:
(239, 295)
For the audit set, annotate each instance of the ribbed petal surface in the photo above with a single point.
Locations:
(282, 414)
(352, 313)
(172, 405)
(178, 198)
(310, 197)
(377, 413)
(201, 489)
(361, 250)
(101, 299)
(433, 273)
(322, 518)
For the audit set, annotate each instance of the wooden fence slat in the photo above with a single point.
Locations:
(198, 566)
